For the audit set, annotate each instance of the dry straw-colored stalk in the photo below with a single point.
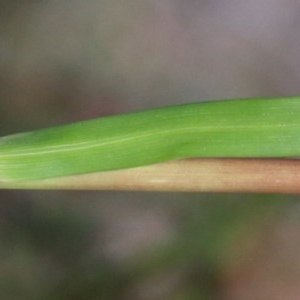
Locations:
(188, 175)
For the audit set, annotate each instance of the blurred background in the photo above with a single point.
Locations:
(64, 61)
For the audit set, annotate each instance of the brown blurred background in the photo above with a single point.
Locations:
(64, 61)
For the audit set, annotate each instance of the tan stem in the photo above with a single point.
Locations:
(190, 175)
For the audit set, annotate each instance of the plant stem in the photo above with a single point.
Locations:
(188, 175)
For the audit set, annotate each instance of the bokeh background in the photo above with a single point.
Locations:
(64, 61)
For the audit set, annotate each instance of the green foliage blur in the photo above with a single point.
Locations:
(48, 243)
